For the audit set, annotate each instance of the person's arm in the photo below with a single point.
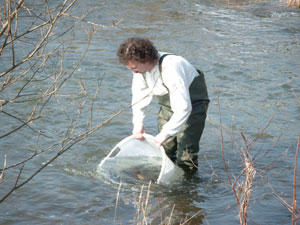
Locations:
(174, 79)
(141, 98)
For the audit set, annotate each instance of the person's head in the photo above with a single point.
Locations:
(138, 54)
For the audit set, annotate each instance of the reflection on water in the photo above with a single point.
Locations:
(130, 170)
(250, 56)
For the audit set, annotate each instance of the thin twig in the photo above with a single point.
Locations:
(191, 217)
(19, 127)
(117, 201)
(4, 27)
(45, 37)
(294, 186)
(90, 122)
(65, 148)
(24, 123)
(139, 204)
(232, 185)
(2, 172)
(144, 221)
(171, 214)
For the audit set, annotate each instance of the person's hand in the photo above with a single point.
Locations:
(138, 134)
(159, 140)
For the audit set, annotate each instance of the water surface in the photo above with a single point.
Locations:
(249, 52)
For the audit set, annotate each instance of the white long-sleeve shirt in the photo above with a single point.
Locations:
(177, 75)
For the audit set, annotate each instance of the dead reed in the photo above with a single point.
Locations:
(241, 190)
(295, 212)
(293, 3)
(250, 172)
(142, 216)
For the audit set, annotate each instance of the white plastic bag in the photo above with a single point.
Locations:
(133, 159)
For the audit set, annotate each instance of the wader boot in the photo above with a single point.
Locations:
(183, 148)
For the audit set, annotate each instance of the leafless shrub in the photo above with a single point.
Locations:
(242, 189)
(35, 43)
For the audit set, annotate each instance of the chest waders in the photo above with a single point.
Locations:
(183, 148)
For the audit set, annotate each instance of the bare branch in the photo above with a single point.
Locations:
(38, 63)
(294, 222)
(2, 172)
(92, 103)
(20, 120)
(12, 15)
(45, 37)
(68, 145)
(19, 127)
(232, 185)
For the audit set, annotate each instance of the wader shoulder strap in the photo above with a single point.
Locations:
(160, 61)
(160, 68)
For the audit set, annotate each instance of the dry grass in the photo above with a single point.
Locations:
(242, 190)
(142, 216)
(293, 3)
(295, 212)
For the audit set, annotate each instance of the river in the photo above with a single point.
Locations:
(249, 52)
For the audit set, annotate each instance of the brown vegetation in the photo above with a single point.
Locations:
(293, 3)
(242, 190)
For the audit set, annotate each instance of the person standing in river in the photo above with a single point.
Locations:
(181, 92)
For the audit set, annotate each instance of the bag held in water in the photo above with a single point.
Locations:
(132, 159)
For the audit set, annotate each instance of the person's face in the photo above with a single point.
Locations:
(137, 67)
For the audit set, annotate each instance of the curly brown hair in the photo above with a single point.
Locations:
(138, 50)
